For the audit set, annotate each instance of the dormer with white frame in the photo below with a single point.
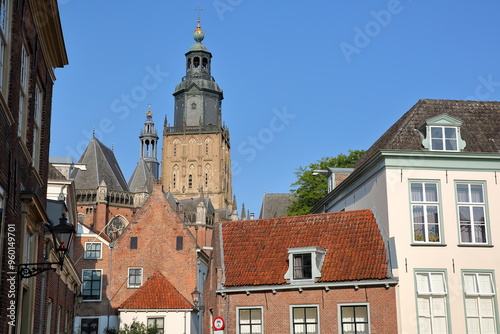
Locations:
(442, 133)
(305, 264)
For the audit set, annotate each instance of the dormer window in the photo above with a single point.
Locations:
(442, 133)
(444, 138)
(304, 264)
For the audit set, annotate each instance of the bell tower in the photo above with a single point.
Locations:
(196, 149)
(149, 145)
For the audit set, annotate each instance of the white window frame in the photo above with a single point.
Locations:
(292, 322)
(433, 299)
(5, 19)
(37, 126)
(317, 258)
(23, 93)
(340, 319)
(426, 205)
(471, 206)
(479, 296)
(162, 330)
(135, 286)
(92, 318)
(100, 285)
(87, 244)
(260, 308)
(444, 140)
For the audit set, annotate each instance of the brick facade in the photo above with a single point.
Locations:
(23, 182)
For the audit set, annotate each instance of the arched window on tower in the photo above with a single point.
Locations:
(206, 180)
(175, 181)
(190, 181)
(205, 62)
(188, 66)
(196, 62)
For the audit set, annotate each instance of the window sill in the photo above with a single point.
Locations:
(428, 244)
(476, 245)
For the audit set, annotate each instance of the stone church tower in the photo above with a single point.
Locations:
(196, 150)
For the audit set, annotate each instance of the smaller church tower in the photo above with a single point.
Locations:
(149, 145)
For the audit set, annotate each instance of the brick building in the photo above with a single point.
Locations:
(325, 273)
(31, 47)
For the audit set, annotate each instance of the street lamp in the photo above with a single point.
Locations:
(196, 296)
(62, 235)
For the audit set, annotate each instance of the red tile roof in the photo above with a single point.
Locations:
(255, 251)
(156, 293)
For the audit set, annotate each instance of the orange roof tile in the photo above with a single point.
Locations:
(255, 251)
(156, 293)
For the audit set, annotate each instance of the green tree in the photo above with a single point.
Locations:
(309, 188)
(138, 328)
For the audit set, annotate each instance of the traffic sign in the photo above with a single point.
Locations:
(218, 323)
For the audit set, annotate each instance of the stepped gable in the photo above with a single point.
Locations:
(255, 251)
(156, 293)
(101, 166)
(142, 178)
(480, 128)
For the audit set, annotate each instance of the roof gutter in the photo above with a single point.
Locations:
(388, 282)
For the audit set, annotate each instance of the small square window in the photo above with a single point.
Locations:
(92, 250)
(133, 242)
(134, 277)
(302, 266)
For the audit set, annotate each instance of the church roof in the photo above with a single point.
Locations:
(480, 127)
(156, 293)
(354, 247)
(141, 177)
(101, 166)
(275, 205)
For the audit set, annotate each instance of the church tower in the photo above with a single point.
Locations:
(196, 150)
(149, 145)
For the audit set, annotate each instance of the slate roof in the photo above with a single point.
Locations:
(141, 177)
(275, 205)
(101, 166)
(156, 293)
(480, 128)
(255, 251)
(55, 174)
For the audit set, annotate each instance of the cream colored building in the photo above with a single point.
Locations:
(432, 181)
(196, 149)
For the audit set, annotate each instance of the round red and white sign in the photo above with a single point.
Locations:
(218, 323)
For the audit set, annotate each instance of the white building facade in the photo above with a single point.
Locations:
(432, 182)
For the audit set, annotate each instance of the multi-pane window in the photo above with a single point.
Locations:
(4, 36)
(354, 319)
(250, 321)
(305, 320)
(91, 284)
(89, 326)
(425, 211)
(134, 277)
(302, 266)
(23, 94)
(432, 303)
(480, 303)
(444, 138)
(93, 250)
(37, 125)
(472, 213)
(159, 323)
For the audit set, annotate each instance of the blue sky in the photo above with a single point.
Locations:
(301, 79)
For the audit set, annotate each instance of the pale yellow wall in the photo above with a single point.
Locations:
(175, 322)
(191, 157)
(387, 194)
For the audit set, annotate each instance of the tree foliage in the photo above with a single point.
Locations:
(309, 188)
(138, 328)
